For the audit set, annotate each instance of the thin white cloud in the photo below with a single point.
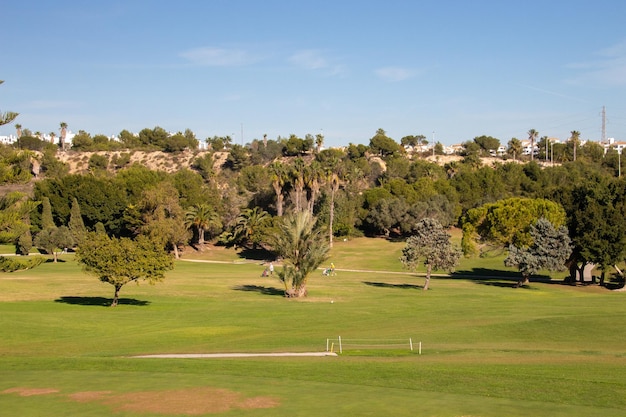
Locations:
(219, 57)
(309, 59)
(50, 104)
(553, 93)
(608, 70)
(395, 74)
(314, 60)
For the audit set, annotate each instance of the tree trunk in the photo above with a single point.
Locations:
(331, 218)
(278, 190)
(176, 255)
(429, 268)
(201, 236)
(116, 297)
(522, 281)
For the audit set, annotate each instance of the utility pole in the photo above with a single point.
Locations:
(603, 124)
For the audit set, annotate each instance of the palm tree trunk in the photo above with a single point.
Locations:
(331, 218)
(201, 235)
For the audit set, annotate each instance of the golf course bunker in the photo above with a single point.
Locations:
(232, 355)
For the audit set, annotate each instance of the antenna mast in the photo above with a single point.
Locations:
(603, 124)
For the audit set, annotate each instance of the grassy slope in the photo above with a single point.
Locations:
(488, 350)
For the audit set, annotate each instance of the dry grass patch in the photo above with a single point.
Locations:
(192, 401)
(29, 392)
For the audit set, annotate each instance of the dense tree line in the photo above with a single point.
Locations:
(377, 190)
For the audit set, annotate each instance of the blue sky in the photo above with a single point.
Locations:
(449, 70)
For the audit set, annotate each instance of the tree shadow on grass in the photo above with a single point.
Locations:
(398, 286)
(260, 289)
(100, 301)
(258, 254)
(499, 278)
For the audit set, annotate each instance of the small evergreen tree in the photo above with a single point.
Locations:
(431, 245)
(47, 222)
(76, 224)
(550, 248)
(24, 243)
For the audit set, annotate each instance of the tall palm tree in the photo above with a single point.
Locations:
(303, 248)
(18, 131)
(279, 178)
(297, 179)
(319, 142)
(52, 136)
(334, 187)
(248, 224)
(63, 129)
(575, 138)
(203, 218)
(532, 136)
(313, 178)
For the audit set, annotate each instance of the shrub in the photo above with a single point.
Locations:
(12, 264)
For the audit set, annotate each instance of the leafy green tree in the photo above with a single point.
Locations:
(82, 141)
(193, 190)
(162, 218)
(98, 163)
(295, 146)
(383, 145)
(101, 199)
(15, 212)
(237, 158)
(203, 164)
(120, 261)
(129, 139)
(430, 246)
(53, 239)
(487, 144)
(32, 143)
(52, 167)
(303, 247)
(596, 211)
(175, 143)
(550, 248)
(509, 221)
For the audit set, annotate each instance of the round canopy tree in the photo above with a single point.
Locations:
(120, 261)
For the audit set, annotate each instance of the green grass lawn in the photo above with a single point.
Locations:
(487, 349)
